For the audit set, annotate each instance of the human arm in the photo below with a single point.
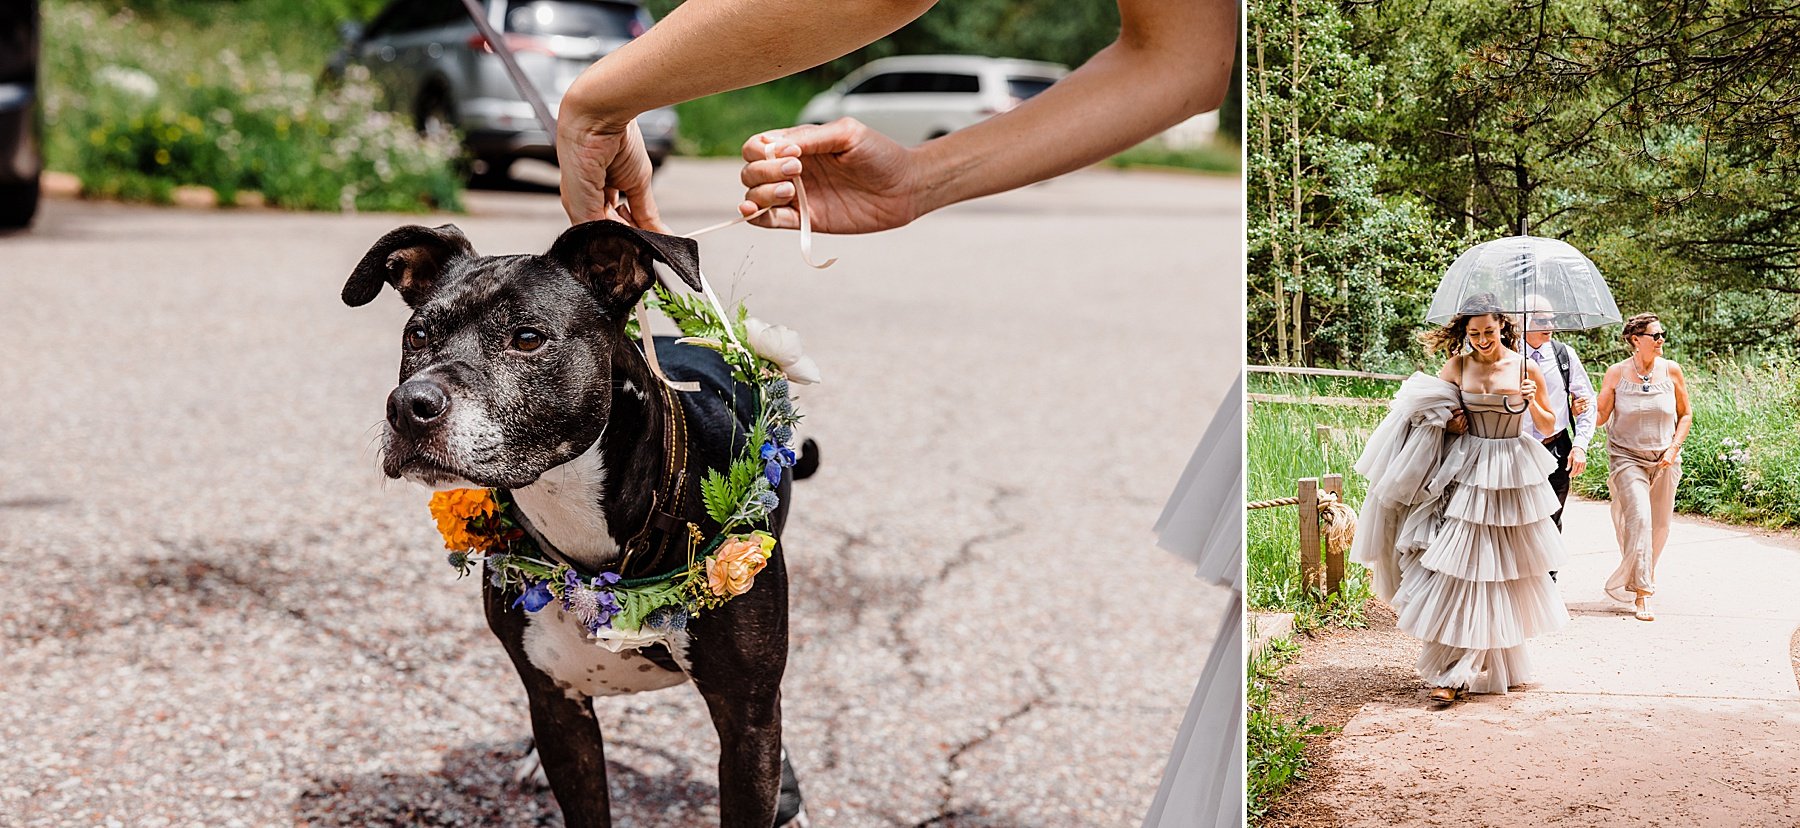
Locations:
(1604, 400)
(1684, 416)
(1541, 415)
(1452, 373)
(701, 47)
(1172, 60)
(1581, 431)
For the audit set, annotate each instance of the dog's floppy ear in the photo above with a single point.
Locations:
(608, 255)
(410, 258)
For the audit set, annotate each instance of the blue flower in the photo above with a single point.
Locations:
(772, 471)
(606, 579)
(460, 560)
(535, 597)
(778, 389)
(783, 435)
(768, 500)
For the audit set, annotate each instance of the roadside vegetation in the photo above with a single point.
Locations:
(139, 104)
(1275, 746)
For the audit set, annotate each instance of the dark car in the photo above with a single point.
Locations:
(429, 61)
(21, 128)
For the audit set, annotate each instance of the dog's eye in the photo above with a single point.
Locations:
(416, 337)
(526, 339)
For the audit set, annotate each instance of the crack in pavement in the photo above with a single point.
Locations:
(910, 602)
(953, 762)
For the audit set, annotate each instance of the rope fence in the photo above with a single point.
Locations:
(1327, 528)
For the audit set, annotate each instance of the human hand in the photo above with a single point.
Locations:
(1577, 461)
(603, 167)
(1580, 406)
(1459, 422)
(857, 180)
(1528, 389)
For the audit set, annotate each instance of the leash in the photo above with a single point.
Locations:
(500, 47)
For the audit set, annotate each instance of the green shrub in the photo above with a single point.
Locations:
(135, 110)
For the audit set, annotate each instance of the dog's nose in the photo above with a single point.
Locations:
(415, 405)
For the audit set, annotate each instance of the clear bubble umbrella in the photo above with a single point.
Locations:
(1547, 281)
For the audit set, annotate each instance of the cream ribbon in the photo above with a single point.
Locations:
(643, 320)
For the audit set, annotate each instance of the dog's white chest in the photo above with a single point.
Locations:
(557, 644)
(564, 507)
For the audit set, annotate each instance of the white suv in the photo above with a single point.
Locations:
(916, 98)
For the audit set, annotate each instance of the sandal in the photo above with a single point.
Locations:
(1643, 612)
(1445, 696)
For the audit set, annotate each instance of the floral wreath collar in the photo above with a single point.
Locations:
(482, 526)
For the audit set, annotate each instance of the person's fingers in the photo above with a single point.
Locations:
(779, 218)
(769, 171)
(771, 195)
(643, 210)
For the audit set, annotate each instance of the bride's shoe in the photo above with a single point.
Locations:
(1643, 612)
(1445, 696)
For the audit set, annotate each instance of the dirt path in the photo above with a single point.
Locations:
(1692, 720)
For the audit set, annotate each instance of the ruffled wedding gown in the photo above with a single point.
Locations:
(1457, 533)
(1203, 784)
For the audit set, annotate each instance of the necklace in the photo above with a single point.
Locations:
(1644, 376)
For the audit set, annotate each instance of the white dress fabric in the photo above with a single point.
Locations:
(1456, 530)
(1203, 783)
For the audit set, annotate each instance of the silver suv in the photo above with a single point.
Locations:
(429, 60)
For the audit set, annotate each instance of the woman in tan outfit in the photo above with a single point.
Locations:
(1645, 400)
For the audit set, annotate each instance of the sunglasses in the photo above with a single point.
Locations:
(1543, 321)
(1659, 336)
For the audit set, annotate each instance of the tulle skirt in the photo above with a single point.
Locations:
(1203, 783)
(1475, 565)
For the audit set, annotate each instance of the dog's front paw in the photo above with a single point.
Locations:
(528, 772)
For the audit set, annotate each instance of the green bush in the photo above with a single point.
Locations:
(136, 110)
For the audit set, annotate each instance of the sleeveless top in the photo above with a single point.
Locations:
(1643, 416)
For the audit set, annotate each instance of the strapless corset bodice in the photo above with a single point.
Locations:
(1489, 415)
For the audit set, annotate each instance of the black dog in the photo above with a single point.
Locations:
(516, 374)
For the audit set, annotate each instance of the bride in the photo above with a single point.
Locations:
(1456, 525)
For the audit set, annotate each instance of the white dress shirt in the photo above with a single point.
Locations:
(1545, 359)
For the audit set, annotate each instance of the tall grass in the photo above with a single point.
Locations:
(1283, 446)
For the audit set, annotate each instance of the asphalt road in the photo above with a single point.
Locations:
(216, 611)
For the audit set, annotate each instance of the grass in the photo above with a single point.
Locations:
(1221, 156)
(1274, 746)
(1282, 448)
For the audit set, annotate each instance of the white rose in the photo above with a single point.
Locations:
(781, 345)
(618, 640)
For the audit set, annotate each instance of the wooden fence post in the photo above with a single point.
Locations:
(1334, 558)
(1309, 533)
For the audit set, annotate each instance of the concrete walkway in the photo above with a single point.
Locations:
(1691, 720)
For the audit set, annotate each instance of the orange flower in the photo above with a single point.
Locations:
(731, 570)
(454, 511)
